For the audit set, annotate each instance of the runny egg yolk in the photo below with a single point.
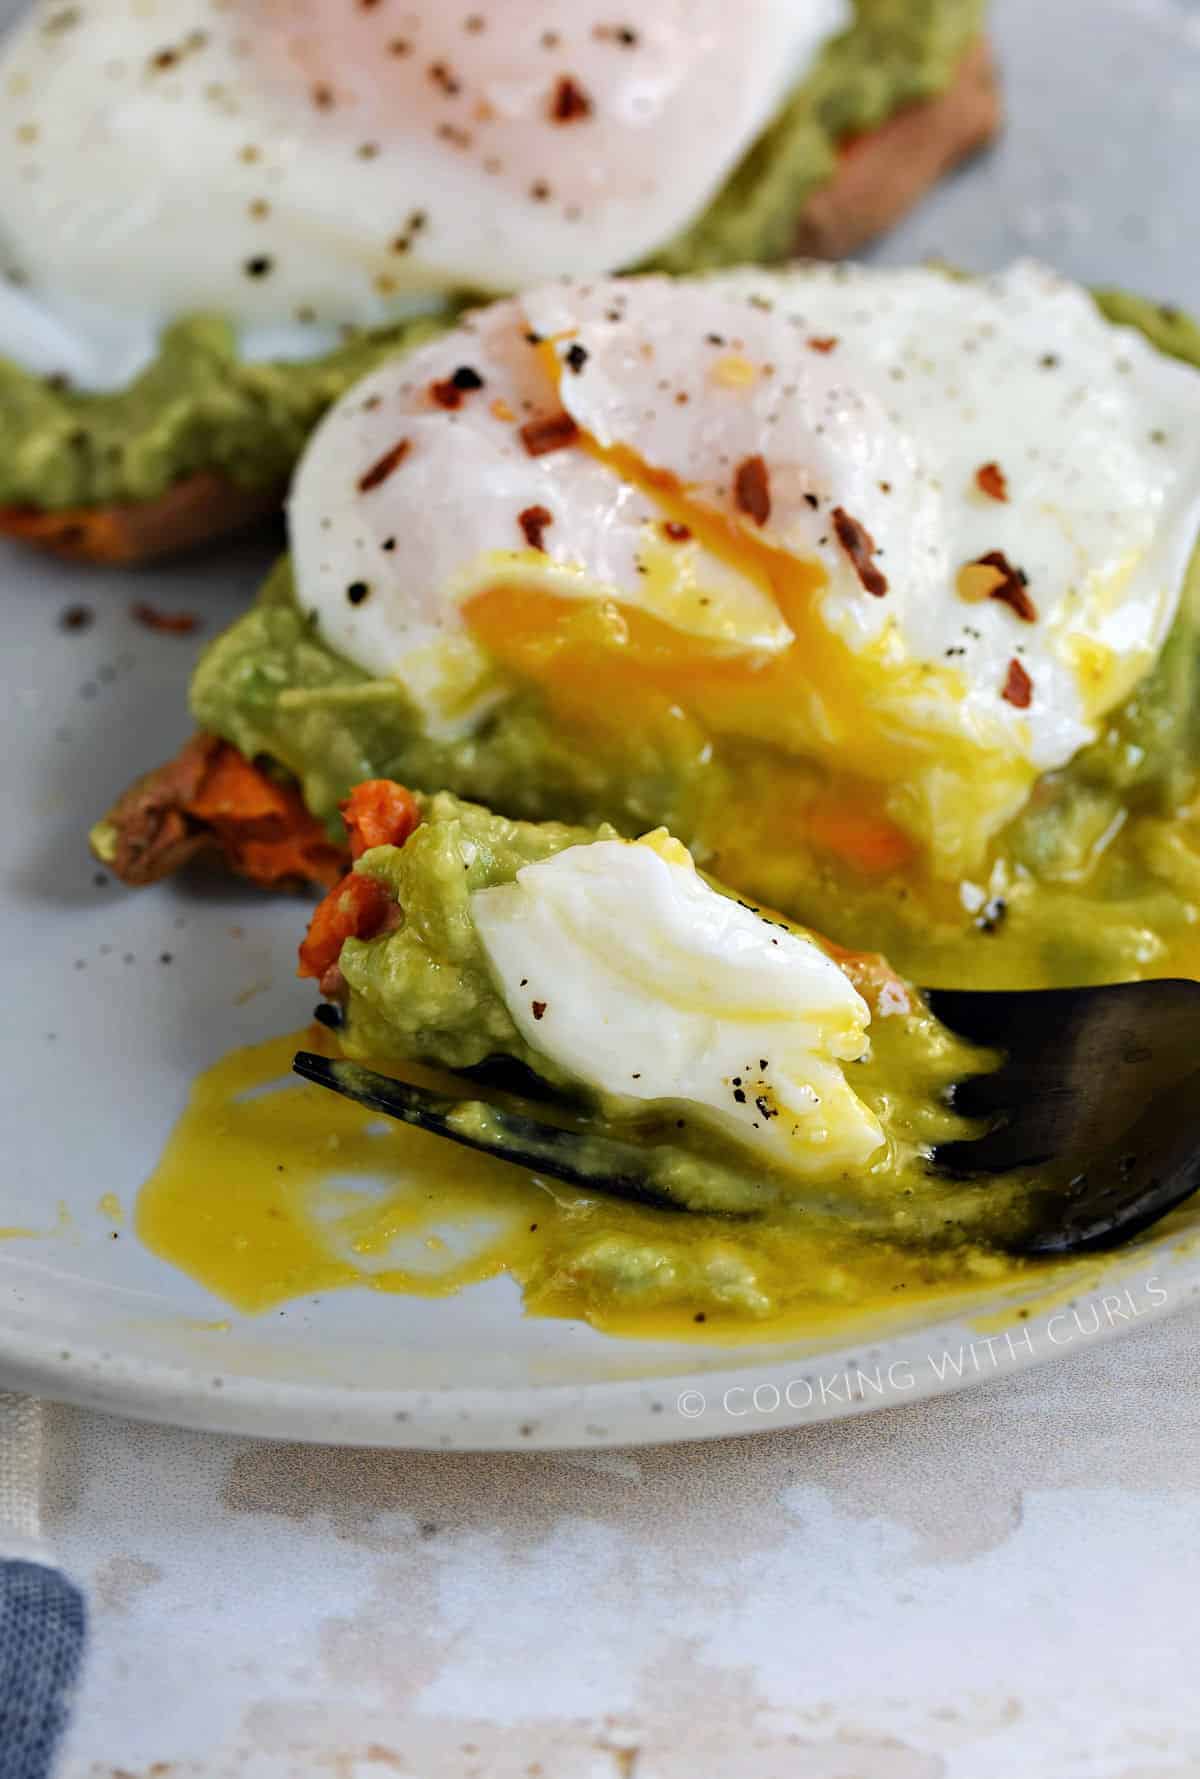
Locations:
(604, 667)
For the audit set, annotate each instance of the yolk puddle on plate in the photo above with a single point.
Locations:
(271, 1189)
(22, 1232)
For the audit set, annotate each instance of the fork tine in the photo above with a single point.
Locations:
(986, 1096)
(989, 1016)
(504, 1074)
(1001, 1151)
(578, 1159)
(1118, 1195)
(1097, 1101)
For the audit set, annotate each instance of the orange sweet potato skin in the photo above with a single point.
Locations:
(209, 799)
(357, 907)
(198, 510)
(379, 812)
(884, 173)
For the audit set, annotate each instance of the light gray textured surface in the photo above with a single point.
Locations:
(22, 1420)
(1002, 1585)
(996, 1586)
(1097, 173)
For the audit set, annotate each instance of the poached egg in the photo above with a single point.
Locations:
(303, 165)
(921, 530)
(620, 963)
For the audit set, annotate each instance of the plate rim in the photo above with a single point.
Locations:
(558, 1416)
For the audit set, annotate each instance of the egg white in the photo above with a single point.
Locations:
(618, 962)
(303, 165)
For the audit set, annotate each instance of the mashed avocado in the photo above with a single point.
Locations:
(424, 993)
(196, 407)
(896, 53)
(1097, 880)
(199, 407)
(272, 687)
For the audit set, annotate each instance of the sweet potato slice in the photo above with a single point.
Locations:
(884, 991)
(209, 799)
(881, 175)
(197, 510)
(356, 908)
(379, 812)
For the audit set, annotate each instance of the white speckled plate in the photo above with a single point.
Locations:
(102, 1038)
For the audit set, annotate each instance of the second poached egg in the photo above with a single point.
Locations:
(304, 165)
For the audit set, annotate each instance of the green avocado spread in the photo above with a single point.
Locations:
(271, 686)
(1097, 880)
(198, 406)
(895, 53)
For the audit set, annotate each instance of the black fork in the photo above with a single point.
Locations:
(1097, 1098)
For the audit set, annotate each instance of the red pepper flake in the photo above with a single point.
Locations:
(752, 489)
(76, 617)
(1018, 687)
(443, 75)
(678, 534)
(1012, 589)
(322, 96)
(539, 1007)
(823, 342)
(551, 433)
(379, 472)
(860, 546)
(533, 522)
(991, 480)
(625, 35)
(169, 623)
(447, 393)
(569, 102)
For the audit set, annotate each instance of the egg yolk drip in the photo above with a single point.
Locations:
(886, 792)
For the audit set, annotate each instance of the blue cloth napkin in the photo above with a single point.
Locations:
(43, 1622)
(42, 1615)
